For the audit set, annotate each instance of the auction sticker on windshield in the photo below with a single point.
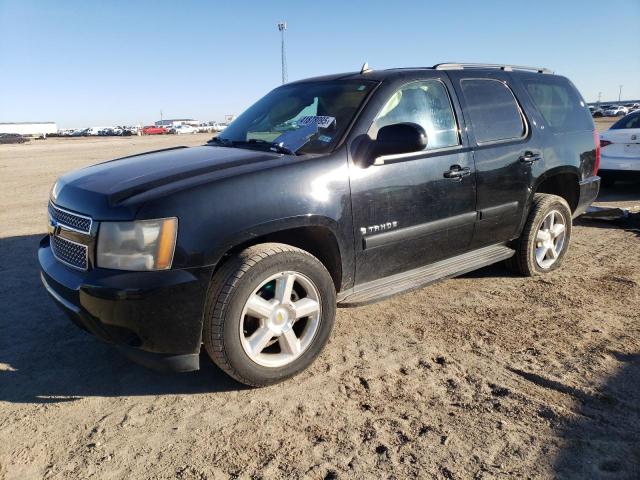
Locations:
(321, 120)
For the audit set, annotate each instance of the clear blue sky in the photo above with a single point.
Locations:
(83, 63)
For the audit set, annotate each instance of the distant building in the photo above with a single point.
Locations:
(177, 121)
(29, 128)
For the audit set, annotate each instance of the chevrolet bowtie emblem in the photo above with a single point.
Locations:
(52, 227)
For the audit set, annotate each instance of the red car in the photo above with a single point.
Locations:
(153, 130)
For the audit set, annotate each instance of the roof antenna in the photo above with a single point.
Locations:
(365, 68)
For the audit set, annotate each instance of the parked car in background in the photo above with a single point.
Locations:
(206, 128)
(153, 130)
(632, 107)
(387, 181)
(596, 112)
(620, 150)
(615, 111)
(12, 138)
(183, 129)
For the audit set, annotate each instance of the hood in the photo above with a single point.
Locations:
(102, 190)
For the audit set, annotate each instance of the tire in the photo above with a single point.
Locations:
(227, 316)
(525, 261)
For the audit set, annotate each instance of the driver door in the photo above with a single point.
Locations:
(409, 210)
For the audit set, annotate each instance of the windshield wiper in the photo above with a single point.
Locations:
(220, 141)
(276, 147)
(273, 146)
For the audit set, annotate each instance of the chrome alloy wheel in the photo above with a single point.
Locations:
(550, 239)
(280, 319)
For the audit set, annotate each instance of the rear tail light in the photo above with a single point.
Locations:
(604, 143)
(599, 144)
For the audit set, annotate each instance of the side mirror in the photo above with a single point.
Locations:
(399, 138)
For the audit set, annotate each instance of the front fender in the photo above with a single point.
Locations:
(218, 216)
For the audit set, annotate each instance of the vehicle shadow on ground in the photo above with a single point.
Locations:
(497, 270)
(628, 224)
(604, 439)
(44, 358)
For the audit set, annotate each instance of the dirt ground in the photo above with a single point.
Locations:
(485, 376)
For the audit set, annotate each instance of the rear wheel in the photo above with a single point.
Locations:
(545, 238)
(270, 311)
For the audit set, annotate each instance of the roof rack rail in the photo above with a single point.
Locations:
(506, 68)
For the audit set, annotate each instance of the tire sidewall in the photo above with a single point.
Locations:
(559, 206)
(251, 280)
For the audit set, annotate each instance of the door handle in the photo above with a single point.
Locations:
(456, 172)
(529, 157)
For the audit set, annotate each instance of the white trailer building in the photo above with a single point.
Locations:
(29, 128)
(174, 122)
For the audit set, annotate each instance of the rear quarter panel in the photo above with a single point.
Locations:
(571, 151)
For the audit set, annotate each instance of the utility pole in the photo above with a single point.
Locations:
(620, 92)
(282, 26)
(160, 117)
(599, 97)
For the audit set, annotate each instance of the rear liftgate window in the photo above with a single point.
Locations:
(493, 110)
(559, 103)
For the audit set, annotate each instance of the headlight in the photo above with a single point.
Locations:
(55, 190)
(139, 245)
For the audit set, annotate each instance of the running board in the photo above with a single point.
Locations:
(420, 277)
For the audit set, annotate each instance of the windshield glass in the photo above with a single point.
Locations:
(630, 121)
(305, 117)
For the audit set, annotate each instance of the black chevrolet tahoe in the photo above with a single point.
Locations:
(333, 191)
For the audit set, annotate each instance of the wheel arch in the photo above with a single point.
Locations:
(563, 181)
(314, 234)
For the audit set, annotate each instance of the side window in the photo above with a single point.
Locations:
(559, 103)
(427, 104)
(630, 121)
(493, 110)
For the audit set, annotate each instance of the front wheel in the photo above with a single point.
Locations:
(545, 238)
(270, 311)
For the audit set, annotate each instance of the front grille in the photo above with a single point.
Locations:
(75, 221)
(71, 253)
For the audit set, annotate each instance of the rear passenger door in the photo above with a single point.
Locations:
(504, 151)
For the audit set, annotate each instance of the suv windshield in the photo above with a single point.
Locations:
(305, 117)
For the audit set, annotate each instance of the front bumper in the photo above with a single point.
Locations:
(154, 318)
(587, 194)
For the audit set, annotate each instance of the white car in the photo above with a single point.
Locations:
(620, 150)
(183, 129)
(616, 111)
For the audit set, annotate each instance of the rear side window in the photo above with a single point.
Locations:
(493, 110)
(630, 121)
(559, 103)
